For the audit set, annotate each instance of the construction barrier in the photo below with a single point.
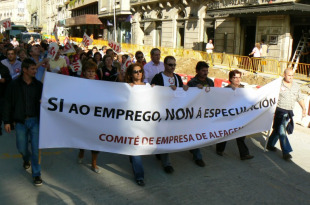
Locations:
(240, 62)
(302, 70)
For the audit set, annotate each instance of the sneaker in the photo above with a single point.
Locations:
(96, 169)
(271, 148)
(140, 182)
(245, 157)
(37, 181)
(200, 162)
(26, 165)
(168, 169)
(287, 157)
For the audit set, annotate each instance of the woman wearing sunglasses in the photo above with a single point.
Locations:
(135, 76)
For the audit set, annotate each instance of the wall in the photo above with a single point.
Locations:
(279, 27)
(222, 26)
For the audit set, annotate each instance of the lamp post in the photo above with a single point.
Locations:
(114, 21)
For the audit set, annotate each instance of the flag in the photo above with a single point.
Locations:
(6, 23)
(52, 50)
(87, 40)
(55, 32)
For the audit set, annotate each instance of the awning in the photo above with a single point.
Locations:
(86, 19)
(265, 9)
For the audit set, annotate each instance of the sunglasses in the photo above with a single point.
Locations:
(139, 57)
(137, 71)
(172, 65)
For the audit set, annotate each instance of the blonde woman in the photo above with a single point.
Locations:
(257, 53)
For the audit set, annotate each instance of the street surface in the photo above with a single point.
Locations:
(266, 179)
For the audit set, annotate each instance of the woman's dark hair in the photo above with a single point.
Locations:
(233, 73)
(97, 53)
(105, 57)
(83, 54)
(129, 72)
(89, 54)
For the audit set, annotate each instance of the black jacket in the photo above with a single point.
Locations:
(14, 104)
(278, 117)
(158, 80)
(195, 81)
(5, 74)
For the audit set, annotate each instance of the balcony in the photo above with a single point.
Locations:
(138, 2)
(83, 20)
(274, 8)
(220, 4)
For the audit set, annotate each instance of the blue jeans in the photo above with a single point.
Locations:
(137, 167)
(25, 133)
(196, 154)
(281, 134)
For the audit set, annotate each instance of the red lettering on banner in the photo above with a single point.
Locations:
(223, 133)
(67, 46)
(52, 51)
(85, 41)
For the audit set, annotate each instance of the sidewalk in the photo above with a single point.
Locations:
(266, 179)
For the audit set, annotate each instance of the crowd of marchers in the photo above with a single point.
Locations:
(23, 67)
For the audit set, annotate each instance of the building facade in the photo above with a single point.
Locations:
(16, 10)
(43, 14)
(120, 9)
(235, 26)
(84, 19)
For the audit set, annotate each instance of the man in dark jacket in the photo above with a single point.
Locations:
(169, 79)
(201, 80)
(22, 106)
(5, 79)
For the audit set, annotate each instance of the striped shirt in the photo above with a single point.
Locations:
(288, 96)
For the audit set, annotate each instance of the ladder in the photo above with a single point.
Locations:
(300, 48)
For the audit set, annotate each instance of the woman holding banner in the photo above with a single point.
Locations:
(235, 82)
(135, 76)
(89, 72)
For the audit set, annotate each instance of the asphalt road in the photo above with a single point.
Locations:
(266, 179)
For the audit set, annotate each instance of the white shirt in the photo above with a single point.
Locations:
(150, 70)
(168, 81)
(210, 48)
(257, 52)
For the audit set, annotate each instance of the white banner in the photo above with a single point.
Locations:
(55, 31)
(66, 40)
(68, 48)
(87, 40)
(141, 120)
(6, 23)
(114, 45)
(52, 50)
(76, 66)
